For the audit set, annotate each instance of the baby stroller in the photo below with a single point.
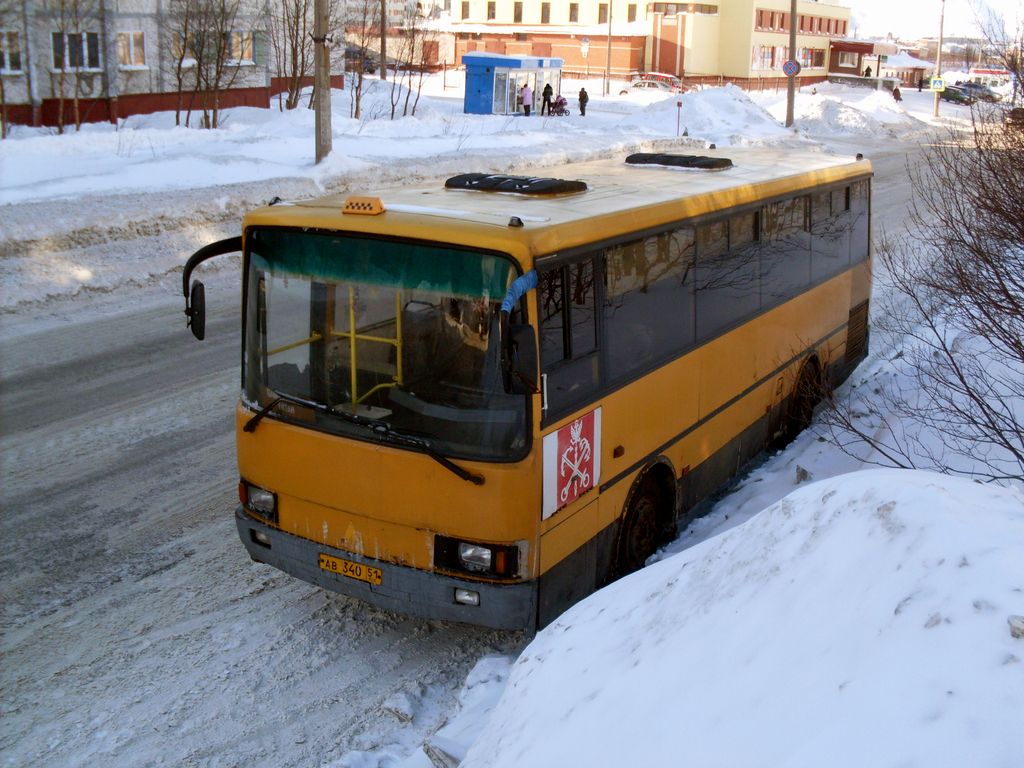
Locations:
(559, 106)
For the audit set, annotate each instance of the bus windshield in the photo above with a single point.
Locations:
(399, 333)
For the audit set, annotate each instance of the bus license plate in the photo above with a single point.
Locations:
(366, 573)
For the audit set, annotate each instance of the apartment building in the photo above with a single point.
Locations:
(742, 40)
(120, 57)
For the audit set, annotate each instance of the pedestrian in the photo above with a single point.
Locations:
(547, 93)
(867, 71)
(920, 84)
(584, 98)
(527, 94)
(897, 95)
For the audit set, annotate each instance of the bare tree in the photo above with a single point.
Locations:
(411, 57)
(955, 297)
(208, 47)
(1004, 45)
(181, 29)
(76, 51)
(363, 17)
(290, 24)
(223, 46)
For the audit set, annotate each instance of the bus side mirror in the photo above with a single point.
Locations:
(520, 356)
(193, 291)
(196, 310)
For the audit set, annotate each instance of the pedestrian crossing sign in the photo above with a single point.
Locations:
(938, 84)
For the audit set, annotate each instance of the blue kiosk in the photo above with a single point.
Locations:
(493, 81)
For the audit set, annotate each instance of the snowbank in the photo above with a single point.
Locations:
(840, 110)
(861, 621)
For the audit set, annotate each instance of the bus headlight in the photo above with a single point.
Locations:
(495, 560)
(475, 557)
(258, 500)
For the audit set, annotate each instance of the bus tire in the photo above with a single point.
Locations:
(643, 527)
(802, 401)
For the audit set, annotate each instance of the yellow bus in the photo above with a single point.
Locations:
(480, 401)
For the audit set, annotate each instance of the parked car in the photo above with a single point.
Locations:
(957, 95)
(660, 77)
(356, 59)
(648, 86)
(980, 92)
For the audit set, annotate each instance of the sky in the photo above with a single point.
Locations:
(912, 19)
(818, 615)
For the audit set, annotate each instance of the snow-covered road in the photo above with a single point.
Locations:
(136, 630)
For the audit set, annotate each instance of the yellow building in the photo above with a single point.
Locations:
(742, 40)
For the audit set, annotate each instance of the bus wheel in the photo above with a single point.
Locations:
(641, 528)
(802, 402)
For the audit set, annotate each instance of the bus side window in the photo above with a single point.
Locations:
(859, 210)
(786, 257)
(568, 333)
(728, 280)
(648, 303)
(830, 242)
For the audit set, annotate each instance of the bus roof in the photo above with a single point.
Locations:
(619, 198)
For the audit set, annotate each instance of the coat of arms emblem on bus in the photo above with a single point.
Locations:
(572, 461)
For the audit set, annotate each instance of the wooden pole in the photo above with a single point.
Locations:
(608, 63)
(322, 79)
(938, 57)
(791, 81)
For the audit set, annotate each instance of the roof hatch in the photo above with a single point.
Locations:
(696, 162)
(523, 185)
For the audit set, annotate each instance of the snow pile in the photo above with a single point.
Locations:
(723, 116)
(861, 621)
(829, 109)
(148, 152)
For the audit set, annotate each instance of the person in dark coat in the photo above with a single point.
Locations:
(547, 93)
(897, 95)
(584, 98)
(920, 84)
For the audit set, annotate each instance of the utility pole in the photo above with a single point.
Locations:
(791, 81)
(383, 39)
(938, 57)
(322, 78)
(608, 63)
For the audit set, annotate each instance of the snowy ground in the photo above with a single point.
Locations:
(100, 223)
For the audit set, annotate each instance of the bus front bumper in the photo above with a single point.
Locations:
(402, 589)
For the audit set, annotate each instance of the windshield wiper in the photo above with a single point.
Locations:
(424, 446)
(381, 428)
(385, 430)
(251, 424)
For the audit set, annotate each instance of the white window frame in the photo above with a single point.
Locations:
(237, 40)
(848, 59)
(66, 53)
(5, 52)
(133, 37)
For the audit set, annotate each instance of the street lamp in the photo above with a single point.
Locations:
(608, 63)
(938, 57)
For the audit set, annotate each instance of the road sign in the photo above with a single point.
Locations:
(791, 68)
(937, 84)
